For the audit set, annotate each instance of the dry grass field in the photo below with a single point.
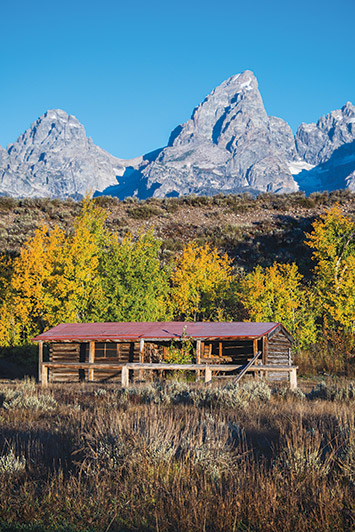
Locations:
(177, 457)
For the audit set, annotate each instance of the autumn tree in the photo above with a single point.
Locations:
(276, 294)
(55, 278)
(201, 281)
(74, 288)
(27, 293)
(9, 330)
(135, 285)
(333, 243)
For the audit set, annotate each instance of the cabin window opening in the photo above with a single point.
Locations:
(105, 350)
(228, 349)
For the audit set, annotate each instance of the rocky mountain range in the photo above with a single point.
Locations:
(229, 145)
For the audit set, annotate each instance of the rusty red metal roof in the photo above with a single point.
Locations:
(158, 330)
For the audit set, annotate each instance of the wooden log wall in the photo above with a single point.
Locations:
(104, 352)
(68, 352)
(114, 352)
(279, 354)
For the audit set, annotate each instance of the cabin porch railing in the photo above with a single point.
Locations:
(134, 366)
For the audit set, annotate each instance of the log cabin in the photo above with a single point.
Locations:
(98, 351)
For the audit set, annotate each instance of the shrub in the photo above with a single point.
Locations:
(106, 202)
(346, 453)
(10, 464)
(7, 203)
(255, 390)
(101, 392)
(299, 461)
(232, 396)
(333, 392)
(30, 402)
(286, 393)
(144, 212)
(215, 451)
(171, 392)
(180, 354)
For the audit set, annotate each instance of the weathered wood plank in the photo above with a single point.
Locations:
(125, 377)
(265, 350)
(147, 365)
(208, 375)
(247, 367)
(44, 380)
(40, 360)
(293, 379)
(91, 361)
(198, 352)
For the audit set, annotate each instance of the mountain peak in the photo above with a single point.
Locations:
(55, 114)
(59, 120)
(55, 158)
(243, 82)
(348, 109)
(228, 145)
(317, 142)
(238, 91)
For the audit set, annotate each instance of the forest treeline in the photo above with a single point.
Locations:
(91, 274)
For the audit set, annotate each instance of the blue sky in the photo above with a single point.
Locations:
(131, 71)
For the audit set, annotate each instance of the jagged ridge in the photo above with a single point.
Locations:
(229, 144)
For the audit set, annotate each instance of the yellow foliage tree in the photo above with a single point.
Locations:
(9, 331)
(55, 278)
(333, 244)
(201, 279)
(276, 294)
(32, 271)
(74, 287)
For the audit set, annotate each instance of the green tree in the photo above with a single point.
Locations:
(135, 285)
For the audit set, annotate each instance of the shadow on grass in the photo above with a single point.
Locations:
(17, 362)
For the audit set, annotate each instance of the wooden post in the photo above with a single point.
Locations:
(40, 360)
(265, 346)
(264, 356)
(293, 379)
(220, 349)
(141, 357)
(198, 357)
(208, 375)
(44, 375)
(198, 352)
(255, 350)
(91, 360)
(125, 377)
